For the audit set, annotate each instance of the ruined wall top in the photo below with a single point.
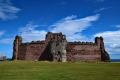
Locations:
(59, 37)
(18, 40)
(33, 42)
(81, 43)
(55, 37)
(97, 41)
(18, 37)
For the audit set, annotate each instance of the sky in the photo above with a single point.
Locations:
(79, 20)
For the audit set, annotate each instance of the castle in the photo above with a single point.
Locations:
(56, 48)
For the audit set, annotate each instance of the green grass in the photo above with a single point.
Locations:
(28, 70)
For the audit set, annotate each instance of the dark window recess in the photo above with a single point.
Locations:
(57, 44)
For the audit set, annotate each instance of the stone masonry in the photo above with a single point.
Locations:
(56, 48)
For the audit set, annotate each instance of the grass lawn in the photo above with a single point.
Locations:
(30, 70)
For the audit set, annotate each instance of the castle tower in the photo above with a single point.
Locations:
(17, 42)
(104, 55)
(58, 47)
(97, 41)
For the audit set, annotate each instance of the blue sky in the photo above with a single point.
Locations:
(79, 20)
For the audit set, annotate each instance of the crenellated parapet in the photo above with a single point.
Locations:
(82, 43)
(33, 42)
(37, 42)
(98, 41)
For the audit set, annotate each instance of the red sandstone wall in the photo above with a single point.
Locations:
(21, 53)
(34, 51)
(77, 52)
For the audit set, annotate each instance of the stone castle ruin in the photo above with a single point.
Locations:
(56, 48)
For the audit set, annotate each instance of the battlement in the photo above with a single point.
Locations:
(33, 42)
(82, 43)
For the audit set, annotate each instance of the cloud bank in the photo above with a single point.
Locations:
(112, 41)
(29, 33)
(71, 26)
(7, 11)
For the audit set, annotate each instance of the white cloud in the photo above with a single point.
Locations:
(7, 41)
(101, 9)
(7, 11)
(28, 27)
(29, 33)
(114, 45)
(1, 33)
(111, 40)
(72, 27)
